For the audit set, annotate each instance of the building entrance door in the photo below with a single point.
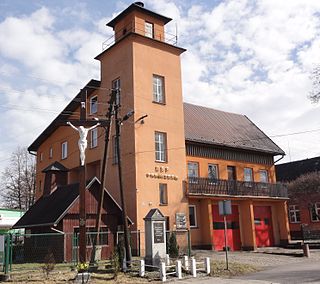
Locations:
(263, 226)
(233, 229)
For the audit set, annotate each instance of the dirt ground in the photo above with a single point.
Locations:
(240, 263)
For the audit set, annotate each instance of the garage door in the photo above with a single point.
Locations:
(263, 226)
(233, 230)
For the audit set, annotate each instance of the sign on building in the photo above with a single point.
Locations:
(225, 207)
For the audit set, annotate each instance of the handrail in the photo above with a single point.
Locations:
(207, 186)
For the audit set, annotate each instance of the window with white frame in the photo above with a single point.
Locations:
(50, 153)
(264, 176)
(93, 105)
(294, 214)
(163, 194)
(94, 138)
(148, 29)
(193, 172)
(158, 89)
(192, 216)
(41, 157)
(248, 174)
(64, 150)
(213, 174)
(315, 212)
(160, 146)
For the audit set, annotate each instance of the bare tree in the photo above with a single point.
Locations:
(314, 95)
(17, 182)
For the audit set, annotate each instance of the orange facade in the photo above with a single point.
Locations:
(140, 63)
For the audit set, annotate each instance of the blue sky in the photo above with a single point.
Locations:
(248, 57)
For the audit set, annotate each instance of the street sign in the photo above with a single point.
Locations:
(225, 207)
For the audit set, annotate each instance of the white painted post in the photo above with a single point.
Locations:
(141, 268)
(193, 267)
(207, 265)
(163, 275)
(186, 262)
(167, 260)
(178, 269)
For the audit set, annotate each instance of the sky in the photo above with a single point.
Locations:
(249, 57)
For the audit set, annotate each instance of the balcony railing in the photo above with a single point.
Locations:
(216, 187)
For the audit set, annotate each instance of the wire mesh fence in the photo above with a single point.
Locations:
(35, 254)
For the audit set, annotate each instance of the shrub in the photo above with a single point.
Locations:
(173, 247)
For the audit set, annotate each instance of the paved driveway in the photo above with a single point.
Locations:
(304, 271)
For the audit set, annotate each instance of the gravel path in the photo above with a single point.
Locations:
(263, 257)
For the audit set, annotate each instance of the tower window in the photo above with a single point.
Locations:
(163, 194)
(158, 89)
(115, 85)
(50, 153)
(94, 138)
(93, 105)
(148, 29)
(64, 150)
(160, 146)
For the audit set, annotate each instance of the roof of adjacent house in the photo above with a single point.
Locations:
(216, 127)
(292, 170)
(49, 210)
(138, 7)
(202, 125)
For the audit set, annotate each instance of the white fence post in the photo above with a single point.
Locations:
(163, 275)
(193, 267)
(186, 262)
(207, 265)
(178, 269)
(141, 268)
(167, 260)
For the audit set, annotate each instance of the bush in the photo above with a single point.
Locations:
(49, 264)
(173, 248)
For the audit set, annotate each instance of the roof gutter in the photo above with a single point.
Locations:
(32, 153)
(282, 156)
(56, 230)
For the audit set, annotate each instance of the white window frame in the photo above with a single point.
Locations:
(163, 187)
(94, 105)
(149, 29)
(50, 153)
(245, 176)
(158, 89)
(316, 207)
(195, 216)
(213, 179)
(293, 216)
(160, 146)
(94, 138)
(265, 174)
(64, 150)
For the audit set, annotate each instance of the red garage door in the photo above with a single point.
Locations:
(233, 230)
(263, 226)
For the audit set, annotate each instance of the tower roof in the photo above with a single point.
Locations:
(137, 6)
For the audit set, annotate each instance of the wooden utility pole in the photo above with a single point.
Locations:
(103, 173)
(118, 122)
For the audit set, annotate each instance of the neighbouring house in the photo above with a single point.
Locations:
(8, 217)
(304, 205)
(52, 223)
(178, 157)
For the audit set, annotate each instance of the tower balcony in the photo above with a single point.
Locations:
(140, 29)
(217, 187)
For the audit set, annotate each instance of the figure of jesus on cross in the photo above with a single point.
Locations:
(82, 142)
